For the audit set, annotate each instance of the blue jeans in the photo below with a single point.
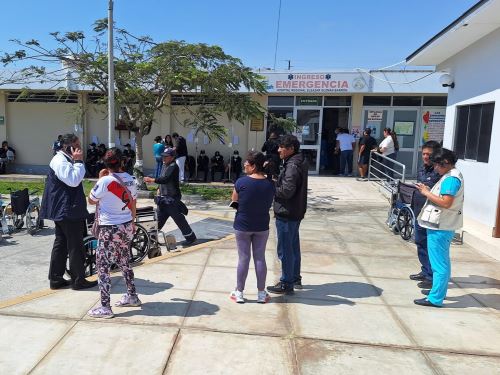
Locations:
(288, 250)
(346, 158)
(439, 242)
(422, 252)
(159, 164)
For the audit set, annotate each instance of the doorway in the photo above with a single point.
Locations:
(333, 118)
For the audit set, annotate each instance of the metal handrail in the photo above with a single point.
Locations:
(384, 175)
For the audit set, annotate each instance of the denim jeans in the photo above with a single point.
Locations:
(159, 164)
(346, 158)
(422, 252)
(288, 250)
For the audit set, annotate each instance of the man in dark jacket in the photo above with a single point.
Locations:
(203, 164)
(427, 176)
(169, 199)
(181, 153)
(64, 203)
(290, 204)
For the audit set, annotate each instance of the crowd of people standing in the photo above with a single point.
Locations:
(438, 205)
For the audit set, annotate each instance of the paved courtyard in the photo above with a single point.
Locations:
(355, 314)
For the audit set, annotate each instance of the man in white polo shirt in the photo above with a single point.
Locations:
(345, 144)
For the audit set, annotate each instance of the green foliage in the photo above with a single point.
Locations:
(7, 186)
(215, 193)
(287, 125)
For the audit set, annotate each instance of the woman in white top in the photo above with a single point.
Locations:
(115, 194)
(387, 149)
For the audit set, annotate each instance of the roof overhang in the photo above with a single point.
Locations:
(474, 24)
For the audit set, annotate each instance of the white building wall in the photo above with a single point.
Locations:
(476, 74)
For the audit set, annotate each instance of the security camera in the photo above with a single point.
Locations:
(446, 80)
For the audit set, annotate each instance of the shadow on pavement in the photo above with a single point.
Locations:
(177, 307)
(462, 302)
(146, 287)
(477, 281)
(331, 294)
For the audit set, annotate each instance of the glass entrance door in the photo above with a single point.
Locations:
(309, 122)
(404, 124)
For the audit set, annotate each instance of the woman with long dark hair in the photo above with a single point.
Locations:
(115, 195)
(441, 216)
(254, 194)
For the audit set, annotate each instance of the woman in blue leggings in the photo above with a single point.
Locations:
(441, 216)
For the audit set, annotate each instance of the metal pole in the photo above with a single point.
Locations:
(111, 78)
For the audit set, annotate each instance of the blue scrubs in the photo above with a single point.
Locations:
(438, 244)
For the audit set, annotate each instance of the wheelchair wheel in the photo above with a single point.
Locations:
(89, 263)
(32, 219)
(139, 246)
(404, 223)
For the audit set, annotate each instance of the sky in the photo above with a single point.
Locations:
(315, 35)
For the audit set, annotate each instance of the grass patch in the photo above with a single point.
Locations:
(215, 193)
(209, 193)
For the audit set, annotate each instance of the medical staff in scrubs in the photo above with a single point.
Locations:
(441, 215)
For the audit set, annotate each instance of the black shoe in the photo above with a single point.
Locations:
(83, 284)
(280, 288)
(426, 284)
(297, 284)
(189, 241)
(418, 277)
(425, 292)
(424, 302)
(58, 284)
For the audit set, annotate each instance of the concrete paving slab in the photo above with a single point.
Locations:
(399, 292)
(95, 347)
(356, 289)
(159, 307)
(364, 249)
(322, 236)
(465, 364)
(68, 303)
(334, 247)
(470, 272)
(374, 237)
(196, 258)
(318, 357)
(453, 330)
(25, 341)
(388, 267)
(466, 253)
(223, 279)
(250, 317)
(488, 295)
(165, 275)
(348, 321)
(329, 264)
(229, 353)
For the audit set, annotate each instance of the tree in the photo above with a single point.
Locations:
(146, 75)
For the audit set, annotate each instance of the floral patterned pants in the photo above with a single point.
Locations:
(113, 246)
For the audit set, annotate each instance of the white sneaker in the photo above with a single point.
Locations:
(263, 297)
(237, 296)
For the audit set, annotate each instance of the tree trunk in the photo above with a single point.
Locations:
(139, 161)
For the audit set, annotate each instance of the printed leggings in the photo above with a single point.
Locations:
(113, 246)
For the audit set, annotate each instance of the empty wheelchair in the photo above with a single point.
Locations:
(401, 218)
(25, 210)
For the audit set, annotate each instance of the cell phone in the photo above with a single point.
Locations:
(234, 205)
(69, 150)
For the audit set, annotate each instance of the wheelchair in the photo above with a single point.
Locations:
(147, 240)
(23, 210)
(401, 218)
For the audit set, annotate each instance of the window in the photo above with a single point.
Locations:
(406, 101)
(280, 101)
(338, 101)
(377, 100)
(435, 101)
(42, 97)
(473, 131)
